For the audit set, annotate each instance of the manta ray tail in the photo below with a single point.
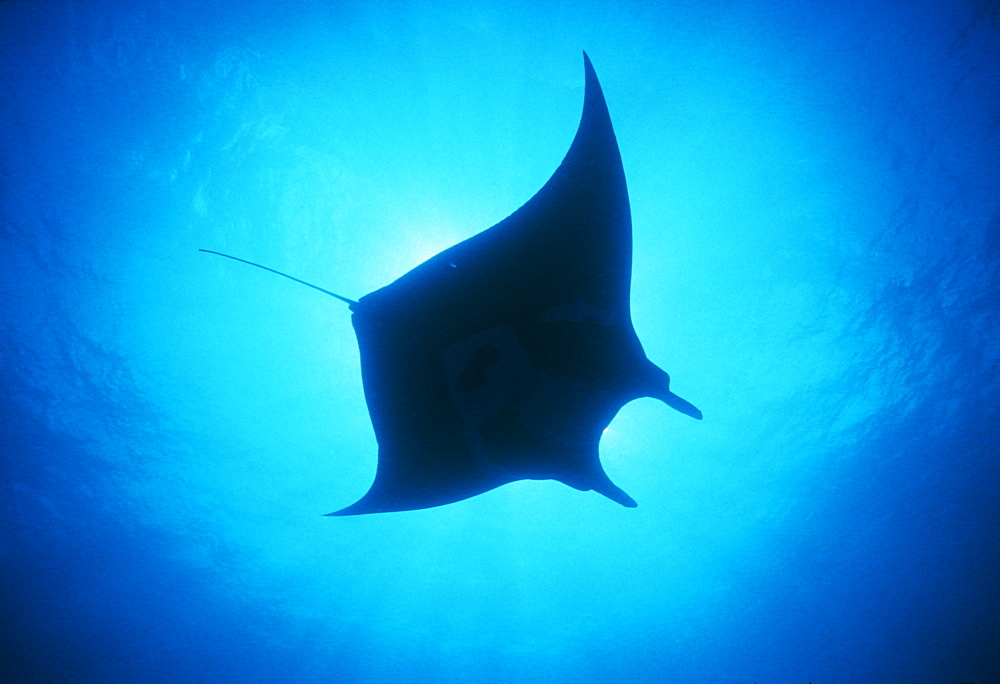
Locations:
(351, 302)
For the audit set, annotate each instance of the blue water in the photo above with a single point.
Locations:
(815, 191)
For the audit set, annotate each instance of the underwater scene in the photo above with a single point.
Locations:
(793, 209)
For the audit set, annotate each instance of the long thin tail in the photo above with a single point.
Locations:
(332, 294)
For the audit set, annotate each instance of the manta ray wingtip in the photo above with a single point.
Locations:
(359, 507)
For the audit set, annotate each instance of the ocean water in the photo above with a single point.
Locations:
(815, 194)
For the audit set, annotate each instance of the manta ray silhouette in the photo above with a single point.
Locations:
(506, 356)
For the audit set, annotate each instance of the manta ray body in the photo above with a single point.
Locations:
(506, 356)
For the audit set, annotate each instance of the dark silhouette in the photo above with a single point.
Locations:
(506, 356)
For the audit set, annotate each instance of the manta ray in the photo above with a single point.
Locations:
(506, 356)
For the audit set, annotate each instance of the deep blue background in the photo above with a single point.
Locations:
(816, 200)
